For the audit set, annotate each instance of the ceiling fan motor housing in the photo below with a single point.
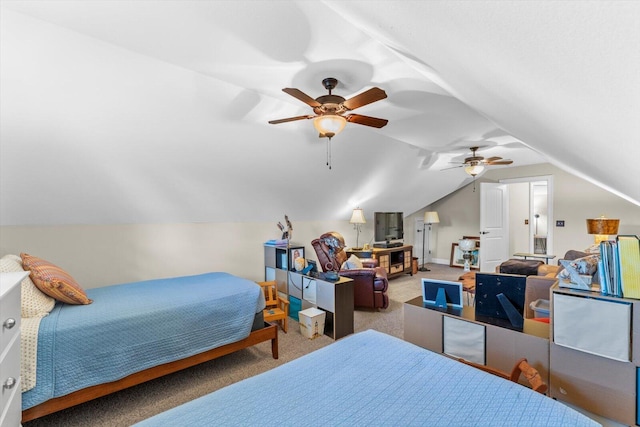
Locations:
(331, 104)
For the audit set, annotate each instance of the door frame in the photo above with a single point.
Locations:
(550, 225)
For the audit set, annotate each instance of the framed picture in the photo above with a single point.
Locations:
(293, 254)
(457, 259)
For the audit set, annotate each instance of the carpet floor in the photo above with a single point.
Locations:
(145, 400)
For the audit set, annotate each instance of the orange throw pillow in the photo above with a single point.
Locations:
(54, 281)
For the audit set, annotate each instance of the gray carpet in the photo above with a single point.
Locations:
(137, 403)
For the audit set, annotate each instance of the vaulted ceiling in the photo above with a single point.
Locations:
(157, 111)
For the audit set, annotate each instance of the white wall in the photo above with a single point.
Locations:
(100, 255)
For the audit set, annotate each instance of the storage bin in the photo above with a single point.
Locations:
(312, 322)
(540, 307)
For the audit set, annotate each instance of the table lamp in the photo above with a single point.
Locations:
(357, 219)
(602, 228)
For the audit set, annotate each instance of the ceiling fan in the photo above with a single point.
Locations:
(475, 164)
(330, 118)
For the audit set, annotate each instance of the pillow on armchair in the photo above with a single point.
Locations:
(352, 263)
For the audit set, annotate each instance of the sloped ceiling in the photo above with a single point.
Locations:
(147, 111)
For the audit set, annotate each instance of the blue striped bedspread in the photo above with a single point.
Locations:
(135, 326)
(373, 379)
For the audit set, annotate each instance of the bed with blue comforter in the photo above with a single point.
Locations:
(372, 379)
(133, 327)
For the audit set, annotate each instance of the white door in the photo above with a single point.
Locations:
(494, 225)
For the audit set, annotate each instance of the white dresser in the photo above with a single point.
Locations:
(10, 395)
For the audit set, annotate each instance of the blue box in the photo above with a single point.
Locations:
(295, 305)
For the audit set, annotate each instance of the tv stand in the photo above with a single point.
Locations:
(395, 260)
(388, 244)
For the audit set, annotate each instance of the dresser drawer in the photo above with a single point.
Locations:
(9, 313)
(10, 373)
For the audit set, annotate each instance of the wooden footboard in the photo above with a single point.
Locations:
(269, 332)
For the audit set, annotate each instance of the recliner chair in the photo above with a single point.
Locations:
(370, 284)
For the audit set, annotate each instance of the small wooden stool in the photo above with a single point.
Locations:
(469, 285)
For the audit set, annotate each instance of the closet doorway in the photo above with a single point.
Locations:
(530, 214)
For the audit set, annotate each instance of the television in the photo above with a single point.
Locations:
(500, 299)
(388, 226)
(442, 293)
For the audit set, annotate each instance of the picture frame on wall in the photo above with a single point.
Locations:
(457, 259)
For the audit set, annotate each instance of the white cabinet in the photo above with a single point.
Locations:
(10, 395)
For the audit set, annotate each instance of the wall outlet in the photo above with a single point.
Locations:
(560, 223)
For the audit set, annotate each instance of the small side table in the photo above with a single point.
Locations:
(525, 255)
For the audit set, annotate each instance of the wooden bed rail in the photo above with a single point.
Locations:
(269, 332)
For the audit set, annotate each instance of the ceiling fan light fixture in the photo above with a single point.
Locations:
(474, 170)
(329, 124)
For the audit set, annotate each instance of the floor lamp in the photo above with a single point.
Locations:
(429, 218)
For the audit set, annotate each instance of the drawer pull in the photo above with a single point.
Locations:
(10, 383)
(9, 323)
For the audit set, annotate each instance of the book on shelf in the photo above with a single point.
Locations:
(619, 267)
(629, 265)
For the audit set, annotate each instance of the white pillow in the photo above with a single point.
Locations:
(34, 303)
(352, 263)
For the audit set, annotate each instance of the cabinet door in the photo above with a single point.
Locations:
(326, 295)
(464, 339)
(384, 262)
(408, 259)
(578, 324)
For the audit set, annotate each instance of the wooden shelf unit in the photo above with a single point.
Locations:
(601, 385)
(424, 327)
(396, 261)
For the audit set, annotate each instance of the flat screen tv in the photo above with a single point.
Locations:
(388, 226)
(442, 293)
(500, 297)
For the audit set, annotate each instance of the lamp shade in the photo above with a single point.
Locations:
(431, 218)
(474, 169)
(357, 217)
(603, 225)
(329, 124)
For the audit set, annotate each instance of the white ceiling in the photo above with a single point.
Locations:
(157, 111)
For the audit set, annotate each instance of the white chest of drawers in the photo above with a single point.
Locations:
(10, 395)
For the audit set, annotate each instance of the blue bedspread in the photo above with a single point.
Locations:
(134, 326)
(372, 379)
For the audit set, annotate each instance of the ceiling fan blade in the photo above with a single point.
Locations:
(372, 95)
(290, 119)
(366, 120)
(500, 162)
(452, 167)
(297, 93)
(493, 159)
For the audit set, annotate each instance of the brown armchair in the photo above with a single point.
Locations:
(369, 284)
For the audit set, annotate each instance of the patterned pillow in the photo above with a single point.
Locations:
(33, 302)
(54, 281)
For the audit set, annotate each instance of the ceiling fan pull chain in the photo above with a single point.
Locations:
(329, 152)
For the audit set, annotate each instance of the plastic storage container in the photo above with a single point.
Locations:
(540, 308)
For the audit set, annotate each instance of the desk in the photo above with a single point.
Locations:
(526, 255)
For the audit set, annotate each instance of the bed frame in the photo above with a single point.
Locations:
(269, 332)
